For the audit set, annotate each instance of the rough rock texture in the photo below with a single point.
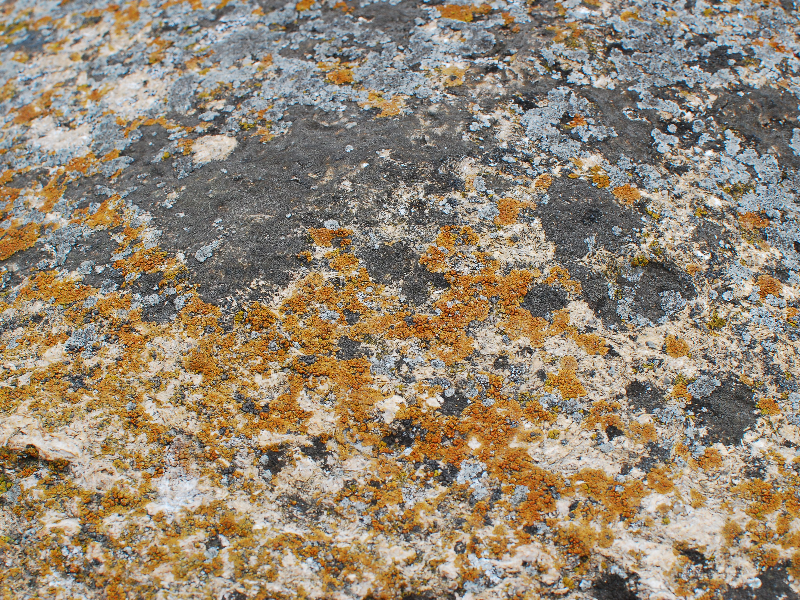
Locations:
(398, 299)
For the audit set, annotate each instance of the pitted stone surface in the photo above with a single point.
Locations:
(390, 299)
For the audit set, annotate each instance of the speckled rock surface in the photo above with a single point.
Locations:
(398, 300)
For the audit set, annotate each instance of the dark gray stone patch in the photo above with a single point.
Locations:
(727, 412)
(259, 202)
(399, 262)
(633, 132)
(612, 586)
(774, 586)
(403, 433)
(765, 116)
(662, 291)
(454, 405)
(541, 300)
(644, 396)
(595, 291)
(350, 349)
(577, 211)
(655, 454)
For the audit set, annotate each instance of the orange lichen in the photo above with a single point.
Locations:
(768, 285)
(17, 237)
(599, 177)
(325, 237)
(543, 181)
(26, 114)
(509, 211)
(577, 121)
(591, 343)
(619, 500)
(710, 459)
(752, 221)
(340, 76)
(458, 12)
(344, 7)
(679, 390)
(560, 275)
(453, 76)
(567, 383)
(303, 5)
(769, 407)
(627, 193)
(643, 433)
(658, 480)
(764, 498)
(676, 347)
(388, 108)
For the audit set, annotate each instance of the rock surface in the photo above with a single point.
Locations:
(366, 300)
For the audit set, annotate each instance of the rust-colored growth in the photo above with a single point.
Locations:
(561, 275)
(731, 531)
(569, 363)
(679, 390)
(26, 114)
(540, 499)
(769, 285)
(142, 261)
(7, 91)
(769, 407)
(106, 216)
(82, 164)
(599, 177)
(698, 500)
(764, 498)
(457, 12)
(658, 480)
(578, 121)
(627, 15)
(791, 315)
(389, 108)
(594, 483)
(52, 192)
(567, 383)
(626, 193)
(692, 269)
(126, 16)
(543, 181)
(711, 459)
(119, 497)
(344, 7)
(200, 361)
(324, 237)
(17, 238)
(509, 211)
(344, 262)
(508, 19)
(577, 539)
(676, 347)
(161, 52)
(340, 76)
(603, 413)
(752, 221)
(592, 343)
(453, 76)
(303, 5)
(260, 317)
(643, 433)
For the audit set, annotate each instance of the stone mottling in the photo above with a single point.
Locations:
(399, 300)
